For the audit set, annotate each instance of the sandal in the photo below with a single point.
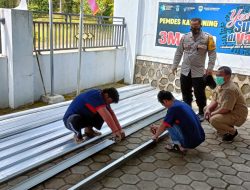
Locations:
(175, 148)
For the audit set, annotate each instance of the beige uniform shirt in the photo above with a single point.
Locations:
(195, 52)
(230, 97)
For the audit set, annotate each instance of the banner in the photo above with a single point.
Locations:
(229, 24)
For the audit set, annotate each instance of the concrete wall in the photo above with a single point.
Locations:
(98, 67)
(4, 92)
(132, 32)
(157, 72)
(17, 46)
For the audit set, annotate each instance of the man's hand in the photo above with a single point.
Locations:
(117, 136)
(209, 72)
(123, 134)
(153, 129)
(207, 114)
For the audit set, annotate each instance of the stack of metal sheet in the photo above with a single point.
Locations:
(31, 138)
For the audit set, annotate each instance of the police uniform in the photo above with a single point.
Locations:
(229, 96)
(193, 65)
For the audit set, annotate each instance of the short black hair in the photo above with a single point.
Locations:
(112, 93)
(226, 70)
(196, 19)
(164, 95)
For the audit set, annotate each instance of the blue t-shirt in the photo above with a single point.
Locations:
(86, 104)
(182, 114)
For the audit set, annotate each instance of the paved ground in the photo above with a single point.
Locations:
(213, 165)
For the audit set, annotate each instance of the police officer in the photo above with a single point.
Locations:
(195, 45)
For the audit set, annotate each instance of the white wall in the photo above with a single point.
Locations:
(98, 67)
(17, 45)
(239, 64)
(4, 92)
(130, 9)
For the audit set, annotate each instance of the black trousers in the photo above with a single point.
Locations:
(187, 83)
(80, 121)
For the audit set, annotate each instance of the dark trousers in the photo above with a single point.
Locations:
(80, 121)
(187, 83)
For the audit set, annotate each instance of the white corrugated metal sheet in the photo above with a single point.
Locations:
(35, 137)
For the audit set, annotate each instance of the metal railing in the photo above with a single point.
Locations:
(98, 31)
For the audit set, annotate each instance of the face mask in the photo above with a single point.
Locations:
(195, 30)
(219, 80)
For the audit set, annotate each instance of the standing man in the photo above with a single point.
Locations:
(90, 109)
(195, 45)
(181, 122)
(228, 107)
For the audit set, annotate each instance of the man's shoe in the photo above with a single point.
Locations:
(229, 137)
(201, 117)
(90, 132)
(78, 139)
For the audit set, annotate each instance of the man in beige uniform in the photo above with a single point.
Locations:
(228, 107)
(195, 46)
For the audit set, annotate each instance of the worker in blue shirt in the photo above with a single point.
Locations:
(90, 109)
(183, 125)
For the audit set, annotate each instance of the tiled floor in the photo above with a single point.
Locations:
(213, 165)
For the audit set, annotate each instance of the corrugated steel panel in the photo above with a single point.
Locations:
(50, 172)
(29, 140)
